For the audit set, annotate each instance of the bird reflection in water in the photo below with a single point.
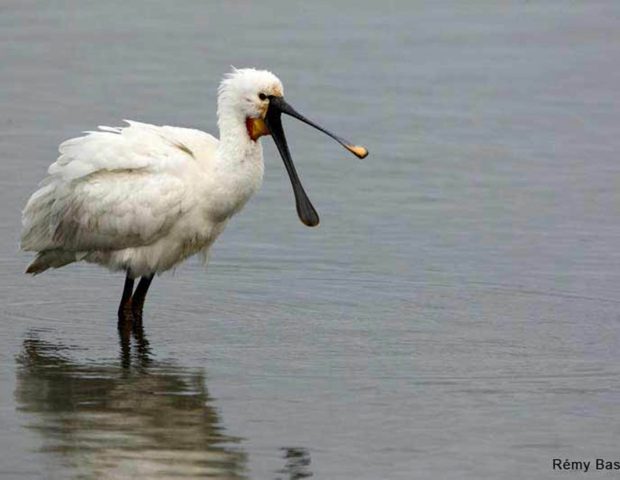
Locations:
(132, 333)
(297, 464)
(141, 418)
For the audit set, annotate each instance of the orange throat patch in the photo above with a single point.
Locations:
(256, 128)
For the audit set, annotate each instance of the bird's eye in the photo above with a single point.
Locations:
(262, 96)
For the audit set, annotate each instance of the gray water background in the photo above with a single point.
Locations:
(455, 316)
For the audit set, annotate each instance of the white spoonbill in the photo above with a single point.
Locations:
(142, 198)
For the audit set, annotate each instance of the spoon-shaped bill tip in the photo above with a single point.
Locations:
(357, 150)
(311, 221)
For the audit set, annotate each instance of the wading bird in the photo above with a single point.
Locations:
(142, 198)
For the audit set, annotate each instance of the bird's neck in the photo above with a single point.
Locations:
(239, 167)
(236, 145)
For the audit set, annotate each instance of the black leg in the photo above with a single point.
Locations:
(124, 309)
(137, 301)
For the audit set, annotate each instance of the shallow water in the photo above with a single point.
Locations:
(456, 314)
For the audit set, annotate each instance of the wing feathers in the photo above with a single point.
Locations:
(114, 188)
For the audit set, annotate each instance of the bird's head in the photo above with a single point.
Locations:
(245, 93)
(256, 97)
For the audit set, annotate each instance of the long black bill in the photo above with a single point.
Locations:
(277, 106)
(280, 104)
(306, 212)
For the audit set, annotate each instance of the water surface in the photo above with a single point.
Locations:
(456, 314)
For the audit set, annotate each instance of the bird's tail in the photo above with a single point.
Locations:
(55, 258)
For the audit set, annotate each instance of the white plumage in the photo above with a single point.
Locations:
(143, 198)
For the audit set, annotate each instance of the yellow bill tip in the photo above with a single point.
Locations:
(358, 151)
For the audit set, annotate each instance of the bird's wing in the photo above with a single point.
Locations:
(115, 188)
(138, 146)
